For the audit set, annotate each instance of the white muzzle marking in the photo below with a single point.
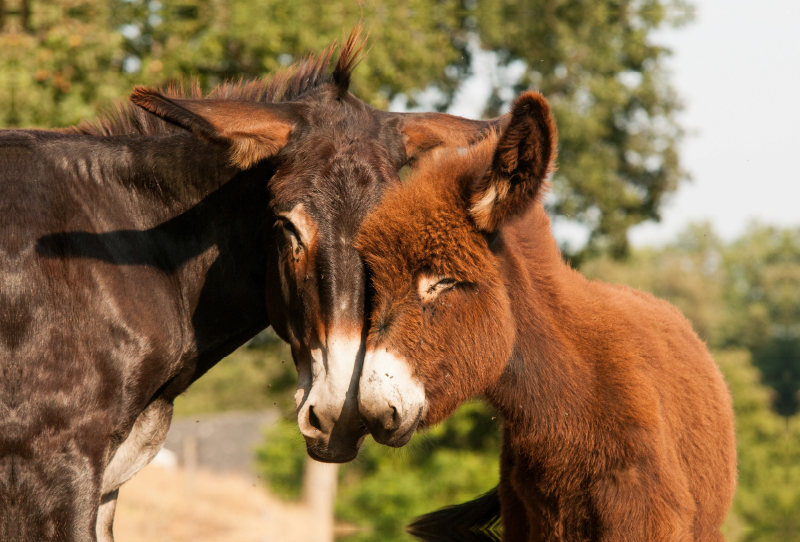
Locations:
(332, 371)
(386, 383)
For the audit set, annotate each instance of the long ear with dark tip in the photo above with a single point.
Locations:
(523, 158)
(255, 131)
(424, 132)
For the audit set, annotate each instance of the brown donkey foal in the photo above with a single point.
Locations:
(617, 423)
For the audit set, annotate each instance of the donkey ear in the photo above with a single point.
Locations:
(424, 132)
(254, 131)
(525, 154)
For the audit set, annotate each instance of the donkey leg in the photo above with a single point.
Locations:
(105, 517)
(143, 443)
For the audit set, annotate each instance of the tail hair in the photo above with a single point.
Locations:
(475, 521)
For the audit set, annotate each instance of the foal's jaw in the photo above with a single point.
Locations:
(391, 401)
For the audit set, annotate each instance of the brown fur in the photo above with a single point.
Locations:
(334, 155)
(617, 423)
(133, 258)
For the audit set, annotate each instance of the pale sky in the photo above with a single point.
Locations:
(737, 69)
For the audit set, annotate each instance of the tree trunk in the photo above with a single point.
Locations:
(319, 495)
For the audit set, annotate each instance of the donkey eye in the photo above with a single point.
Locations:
(295, 244)
(288, 229)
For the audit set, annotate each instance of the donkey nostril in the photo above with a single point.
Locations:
(313, 420)
(394, 414)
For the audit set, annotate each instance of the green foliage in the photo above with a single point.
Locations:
(768, 495)
(384, 489)
(281, 457)
(743, 295)
(605, 79)
(763, 297)
(70, 58)
(251, 378)
(450, 463)
(58, 63)
(64, 60)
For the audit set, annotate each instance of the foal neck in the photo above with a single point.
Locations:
(550, 375)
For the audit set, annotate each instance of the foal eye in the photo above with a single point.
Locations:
(430, 287)
(446, 282)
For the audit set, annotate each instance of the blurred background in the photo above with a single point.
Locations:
(677, 124)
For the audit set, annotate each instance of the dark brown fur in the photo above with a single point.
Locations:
(136, 252)
(617, 423)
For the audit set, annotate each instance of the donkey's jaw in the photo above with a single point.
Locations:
(391, 401)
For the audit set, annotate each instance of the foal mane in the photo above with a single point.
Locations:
(290, 83)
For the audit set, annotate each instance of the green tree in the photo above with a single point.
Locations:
(385, 489)
(763, 300)
(58, 63)
(768, 495)
(605, 78)
(63, 60)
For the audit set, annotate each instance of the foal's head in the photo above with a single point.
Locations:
(332, 156)
(441, 329)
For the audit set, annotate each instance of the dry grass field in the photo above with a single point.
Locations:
(168, 505)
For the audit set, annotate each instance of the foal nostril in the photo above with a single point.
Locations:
(395, 416)
(313, 420)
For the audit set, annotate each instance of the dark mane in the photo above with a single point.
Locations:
(290, 83)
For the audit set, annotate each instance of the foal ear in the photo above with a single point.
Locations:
(525, 154)
(424, 132)
(254, 131)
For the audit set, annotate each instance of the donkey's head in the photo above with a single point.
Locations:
(332, 158)
(441, 327)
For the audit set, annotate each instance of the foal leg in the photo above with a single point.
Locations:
(514, 514)
(631, 506)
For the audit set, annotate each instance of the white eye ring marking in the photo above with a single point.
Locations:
(430, 287)
(305, 228)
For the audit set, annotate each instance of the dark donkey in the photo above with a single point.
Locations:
(136, 253)
(617, 423)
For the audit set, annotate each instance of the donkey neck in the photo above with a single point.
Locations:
(168, 203)
(164, 174)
